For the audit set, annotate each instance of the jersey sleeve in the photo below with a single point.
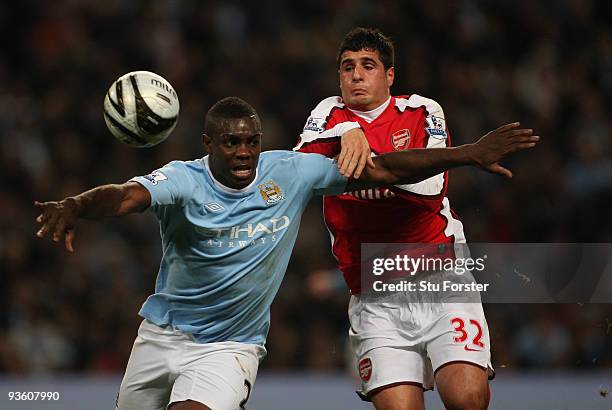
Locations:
(432, 134)
(324, 128)
(321, 174)
(169, 185)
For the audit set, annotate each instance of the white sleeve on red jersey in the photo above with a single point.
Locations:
(435, 129)
(316, 126)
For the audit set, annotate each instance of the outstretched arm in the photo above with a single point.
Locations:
(59, 218)
(411, 166)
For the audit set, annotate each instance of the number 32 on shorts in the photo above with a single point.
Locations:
(470, 329)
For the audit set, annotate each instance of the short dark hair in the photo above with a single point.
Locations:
(229, 107)
(369, 39)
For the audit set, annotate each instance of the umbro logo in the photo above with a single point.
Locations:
(214, 207)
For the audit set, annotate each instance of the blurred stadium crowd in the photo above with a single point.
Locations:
(545, 63)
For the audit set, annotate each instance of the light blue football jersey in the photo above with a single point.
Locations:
(225, 251)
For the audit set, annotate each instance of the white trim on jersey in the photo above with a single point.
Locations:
(226, 188)
(371, 115)
(309, 136)
(314, 128)
(417, 101)
(337, 131)
(324, 108)
(435, 184)
(430, 186)
(332, 238)
(454, 227)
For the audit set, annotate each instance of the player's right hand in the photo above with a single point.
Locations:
(58, 219)
(497, 144)
(354, 154)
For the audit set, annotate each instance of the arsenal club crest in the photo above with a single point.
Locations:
(365, 369)
(270, 192)
(401, 139)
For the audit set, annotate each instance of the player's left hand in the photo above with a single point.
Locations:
(499, 143)
(57, 218)
(355, 153)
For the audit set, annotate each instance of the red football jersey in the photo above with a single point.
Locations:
(414, 213)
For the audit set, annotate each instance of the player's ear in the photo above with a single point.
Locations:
(206, 141)
(390, 76)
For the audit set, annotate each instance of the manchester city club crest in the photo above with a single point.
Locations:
(401, 139)
(270, 192)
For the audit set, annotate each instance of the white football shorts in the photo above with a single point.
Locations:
(168, 366)
(397, 340)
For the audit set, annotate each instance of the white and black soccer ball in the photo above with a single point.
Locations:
(141, 109)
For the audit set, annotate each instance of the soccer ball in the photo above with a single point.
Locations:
(141, 109)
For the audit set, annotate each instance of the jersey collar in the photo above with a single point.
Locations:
(225, 188)
(371, 115)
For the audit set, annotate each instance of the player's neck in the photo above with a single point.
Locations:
(372, 114)
(218, 180)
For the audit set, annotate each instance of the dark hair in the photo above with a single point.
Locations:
(369, 39)
(229, 107)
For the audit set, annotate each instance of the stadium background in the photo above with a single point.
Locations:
(547, 64)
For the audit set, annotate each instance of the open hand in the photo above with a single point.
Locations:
(57, 218)
(497, 144)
